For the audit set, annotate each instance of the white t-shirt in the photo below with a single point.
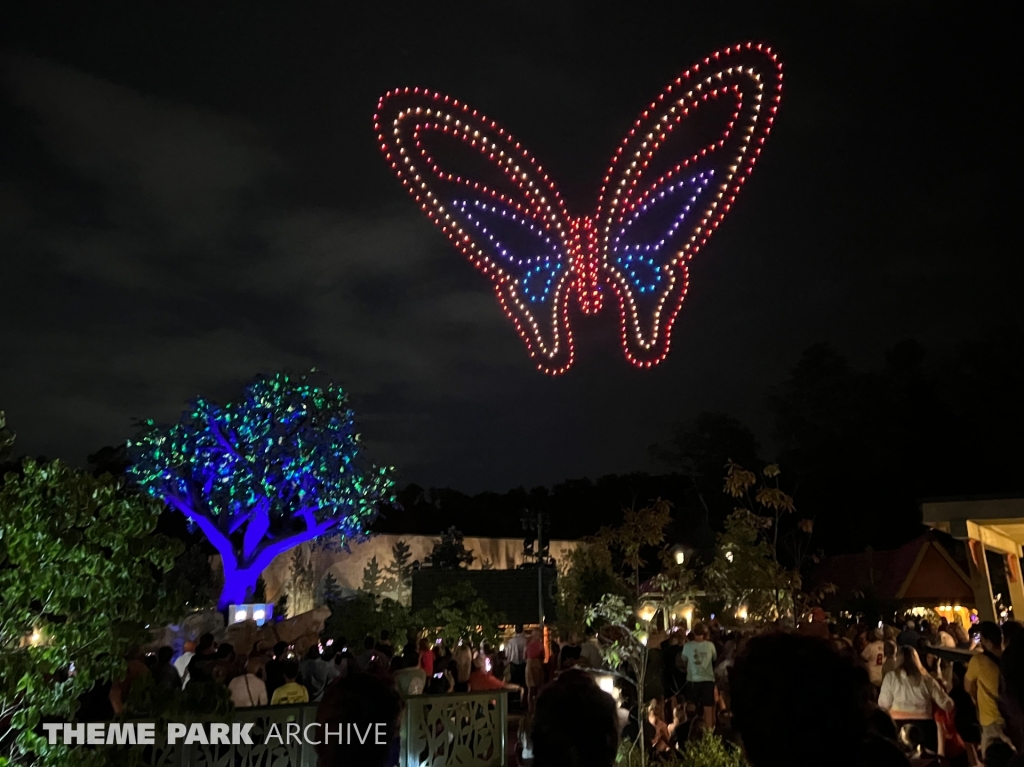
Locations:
(247, 690)
(874, 657)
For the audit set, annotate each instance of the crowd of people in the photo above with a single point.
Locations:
(864, 694)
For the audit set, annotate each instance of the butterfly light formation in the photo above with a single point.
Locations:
(669, 185)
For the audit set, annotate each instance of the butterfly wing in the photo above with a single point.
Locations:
(672, 181)
(494, 202)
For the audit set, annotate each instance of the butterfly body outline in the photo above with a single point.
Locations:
(515, 226)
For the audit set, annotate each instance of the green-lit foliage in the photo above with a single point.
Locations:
(81, 576)
(278, 466)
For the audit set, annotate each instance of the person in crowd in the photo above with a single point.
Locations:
(410, 678)
(911, 696)
(481, 679)
(426, 656)
(998, 754)
(443, 682)
(182, 661)
(673, 673)
(890, 648)
(384, 646)
(909, 636)
(317, 672)
(165, 674)
(1011, 630)
(700, 657)
(291, 691)
(944, 635)
(590, 650)
(248, 689)
(275, 668)
(570, 652)
(121, 688)
(535, 664)
(982, 683)
(205, 649)
(362, 701)
(797, 703)
(224, 667)
(963, 641)
(816, 625)
(367, 654)
(515, 654)
(873, 656)
(659, 735)
(684, 716)
(551, 667)
(575, 724)
(463, 657)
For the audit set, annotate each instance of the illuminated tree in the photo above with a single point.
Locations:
(277, 467)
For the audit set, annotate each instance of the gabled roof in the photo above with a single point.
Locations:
(923, 570)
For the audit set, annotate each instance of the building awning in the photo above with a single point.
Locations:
(987, 525)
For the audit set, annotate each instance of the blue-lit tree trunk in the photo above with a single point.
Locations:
(264, 473)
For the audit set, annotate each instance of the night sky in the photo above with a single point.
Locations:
(190, 194)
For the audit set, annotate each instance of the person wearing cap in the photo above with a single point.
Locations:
(817, 626)
(873, 656)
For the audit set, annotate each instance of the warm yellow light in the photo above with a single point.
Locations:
(728, 556)
(741, 612)
(642, 636)
(606, 683)
(680, 557)
(647, 611)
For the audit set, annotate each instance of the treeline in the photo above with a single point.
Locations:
(859, 450)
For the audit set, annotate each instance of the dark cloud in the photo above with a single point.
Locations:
(183, 203)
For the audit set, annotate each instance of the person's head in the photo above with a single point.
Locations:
(889, 648)
(656, 708)
(991, 636)
(364, 701)
(290, 670)
(575, 724)
(164, 655)
(205, 644)
(385, 635)
(280, 649)
(254, 667)
(423, 645)
(312, 653)
(943, 624)
(909, 625)
(398, 663)
(925, 627)
(700, 632)
(1011, 630)
(795, 700)
(909, 661)
(878, 634)
(519, 628)
(226, 651)
(369, 643)
(998, 754)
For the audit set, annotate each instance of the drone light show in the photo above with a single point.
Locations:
(668, 187)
